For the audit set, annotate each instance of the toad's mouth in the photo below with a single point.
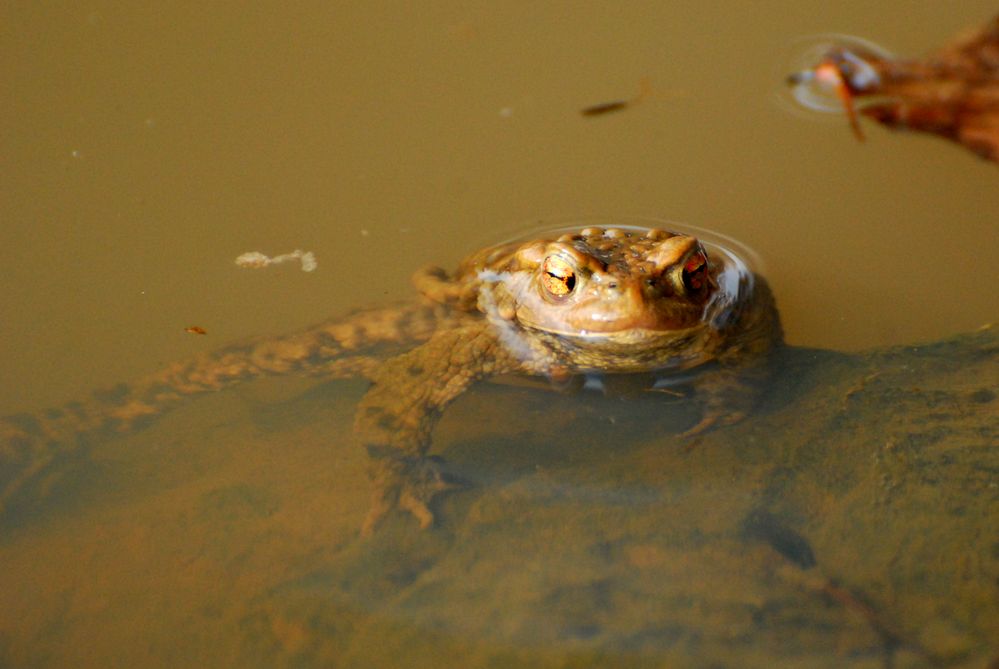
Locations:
(622, 331)
(595, 319)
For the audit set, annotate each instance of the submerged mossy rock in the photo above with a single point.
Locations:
(853, 523)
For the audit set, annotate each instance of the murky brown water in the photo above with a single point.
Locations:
(144, 149)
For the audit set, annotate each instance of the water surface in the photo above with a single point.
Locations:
(145, 149)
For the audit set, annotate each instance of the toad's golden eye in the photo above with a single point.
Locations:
(695, 273)
(557, 276)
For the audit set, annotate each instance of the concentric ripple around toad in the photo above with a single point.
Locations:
(566, 302)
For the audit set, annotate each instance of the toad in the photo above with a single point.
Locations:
(597, 301)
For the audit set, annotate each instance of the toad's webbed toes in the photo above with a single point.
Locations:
(713, 419)
(407, 484)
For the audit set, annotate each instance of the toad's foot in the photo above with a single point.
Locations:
(729, 394)
(407, 484)
(713, 419)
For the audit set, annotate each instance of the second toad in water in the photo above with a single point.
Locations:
(614, 300)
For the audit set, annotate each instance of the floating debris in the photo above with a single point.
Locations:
(599, 109)
(257, 260)
(196, 329)
(607, 107)
(831, 74)
(953, 93)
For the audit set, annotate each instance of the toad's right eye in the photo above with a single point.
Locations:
(557, 276)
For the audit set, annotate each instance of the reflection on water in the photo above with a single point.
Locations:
(850, 522)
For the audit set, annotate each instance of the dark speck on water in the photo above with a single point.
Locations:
(605, 108)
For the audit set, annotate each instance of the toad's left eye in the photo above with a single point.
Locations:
(558, 277)
(695, 273)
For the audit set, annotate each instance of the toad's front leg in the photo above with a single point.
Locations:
(396, 418)
(730, 389)
(727, 395)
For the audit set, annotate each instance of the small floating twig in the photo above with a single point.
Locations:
(599, 109)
